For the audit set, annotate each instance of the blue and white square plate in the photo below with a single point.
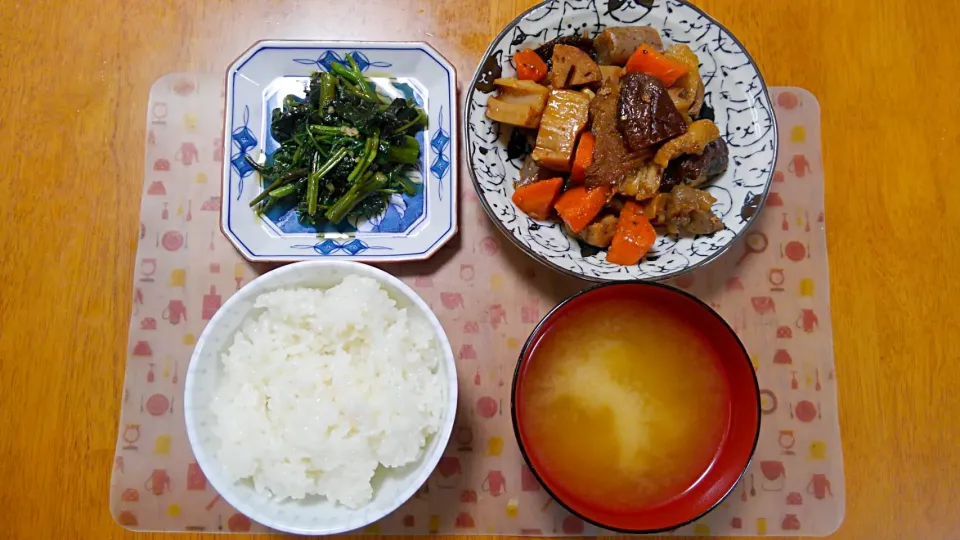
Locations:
(413, 227)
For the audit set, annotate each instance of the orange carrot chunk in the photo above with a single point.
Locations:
(646, 59)
(634, 237)
(530, 67)
(578, 206)
(583, 158)
(536, 199)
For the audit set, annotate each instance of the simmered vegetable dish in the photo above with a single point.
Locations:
(623, 142)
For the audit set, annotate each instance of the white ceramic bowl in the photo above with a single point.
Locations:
(313, 515)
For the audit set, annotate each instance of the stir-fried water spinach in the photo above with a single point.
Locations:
(343, 151)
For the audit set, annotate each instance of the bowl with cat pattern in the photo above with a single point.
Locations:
(673, 203)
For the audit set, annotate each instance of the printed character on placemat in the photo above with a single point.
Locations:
(464, 438)
(818, 451)
(774, 474)
(464, 521)
(787, 440)
(127, 519)
(799, 165)
(162, 445)
(808, 321)
(782, 357)
(806, 411)
(131, 434)
(174, 311)
(528, 482)
(148, 267)
(158, 113)
(794, 251)
(172, 241)
(238, 523)
(218, 149)
(487, 407)
(211, 303)
(571, 525)
(494, 483)
(158, 404)
(196, 480)
(142, 348)
(494, 446)
(187, 153)
(763, 305)
(449, 472)
(788, 100)
(158, 482)
(178, 277)
(819, 487)
(806, 287)
(467, 352)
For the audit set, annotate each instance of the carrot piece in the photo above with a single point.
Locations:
(530, 66)
(583, 158)
(536, 199)
(646, 59)
(634, 237)
(578, 206)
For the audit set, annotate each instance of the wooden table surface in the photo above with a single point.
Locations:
(73, 93)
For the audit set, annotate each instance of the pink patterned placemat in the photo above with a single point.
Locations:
(772, 288)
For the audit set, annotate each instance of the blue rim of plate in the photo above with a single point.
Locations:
(352, 246)
(465, 125)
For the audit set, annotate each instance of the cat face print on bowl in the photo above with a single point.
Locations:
(734, 89)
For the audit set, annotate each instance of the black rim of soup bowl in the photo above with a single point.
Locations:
(516, 424)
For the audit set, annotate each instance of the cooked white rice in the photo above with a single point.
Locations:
(322, 387)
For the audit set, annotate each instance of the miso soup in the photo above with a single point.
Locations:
(622, 405)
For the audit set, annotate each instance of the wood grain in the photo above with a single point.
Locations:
(76, 77)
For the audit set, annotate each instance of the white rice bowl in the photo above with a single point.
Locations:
(322, 398)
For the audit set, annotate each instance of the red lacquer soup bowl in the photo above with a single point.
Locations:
(737, 431)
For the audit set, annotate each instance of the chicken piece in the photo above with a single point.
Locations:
(694, 170)
(684, 208)
(699, 134)
(518, 103)
(616, 44)
(643, 184)
(599, 233)
(703, 222)
(612, 160)
(646, 114)
(563, 119)
(687, 92)
(572, 67)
